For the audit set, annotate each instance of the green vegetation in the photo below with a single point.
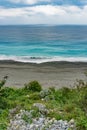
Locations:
(63, 104)
(27, 119)
(33, 86)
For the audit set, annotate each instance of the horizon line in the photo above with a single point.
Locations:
(43, 24)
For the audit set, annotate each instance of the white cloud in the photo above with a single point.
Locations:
(48, 10)
(11, 12)
(30, 2)
(44, 14)
(41, 9)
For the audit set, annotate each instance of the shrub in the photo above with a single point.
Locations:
(3, 103)
(27, 119)
(3, 81)
(3, 126)
(49, 97)
(6, 91)
(45, 92)
(80, 83)
(52, 89)
(65, 91)
(35, 112)
(69, 108)
(62, 95)
(34, 96)
(82, 124)
(55, 115)
(33, 86)
(83, 102)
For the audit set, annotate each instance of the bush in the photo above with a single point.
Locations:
(82, 123)
(52, 89)
(3, 103)
(44, 93)
(33, 86)
(35, 112)
(63, 95)
(6, 91)
(3, 126)
(80, 84)
(27, 119)
(83, 103)
(34, 96)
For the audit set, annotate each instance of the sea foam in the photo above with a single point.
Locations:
(41, 59)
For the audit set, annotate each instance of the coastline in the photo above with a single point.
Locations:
(49, 74)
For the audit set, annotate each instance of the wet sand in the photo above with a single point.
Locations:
(56, 74)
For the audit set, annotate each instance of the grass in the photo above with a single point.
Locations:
(63, 104)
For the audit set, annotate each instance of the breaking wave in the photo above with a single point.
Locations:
(41, 59)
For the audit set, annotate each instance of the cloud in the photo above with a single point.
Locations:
(41, 9)
(4, 12)
(56, 2)
(30, 2)
(44, 14)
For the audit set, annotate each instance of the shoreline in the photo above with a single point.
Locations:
(43, 63)
(49, 74)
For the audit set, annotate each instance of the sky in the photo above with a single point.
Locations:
(17, 12)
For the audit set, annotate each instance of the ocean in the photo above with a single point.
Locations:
(39, 43)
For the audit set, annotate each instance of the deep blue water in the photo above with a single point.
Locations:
(43, 43)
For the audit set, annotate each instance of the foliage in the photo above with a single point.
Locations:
(3, 103)
(52, 89)
(33, 86)
(3, 126)
(35, 112)
(44, 93)
(34, 96)
(3, 81)
(27, 119)
(5, 92)
(82, 123)
(64, 103)
(80, 84)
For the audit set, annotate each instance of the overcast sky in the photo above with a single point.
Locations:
(43, 12)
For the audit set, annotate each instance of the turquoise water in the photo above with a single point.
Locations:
(43, 43)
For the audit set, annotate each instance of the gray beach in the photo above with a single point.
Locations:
(51, 74)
